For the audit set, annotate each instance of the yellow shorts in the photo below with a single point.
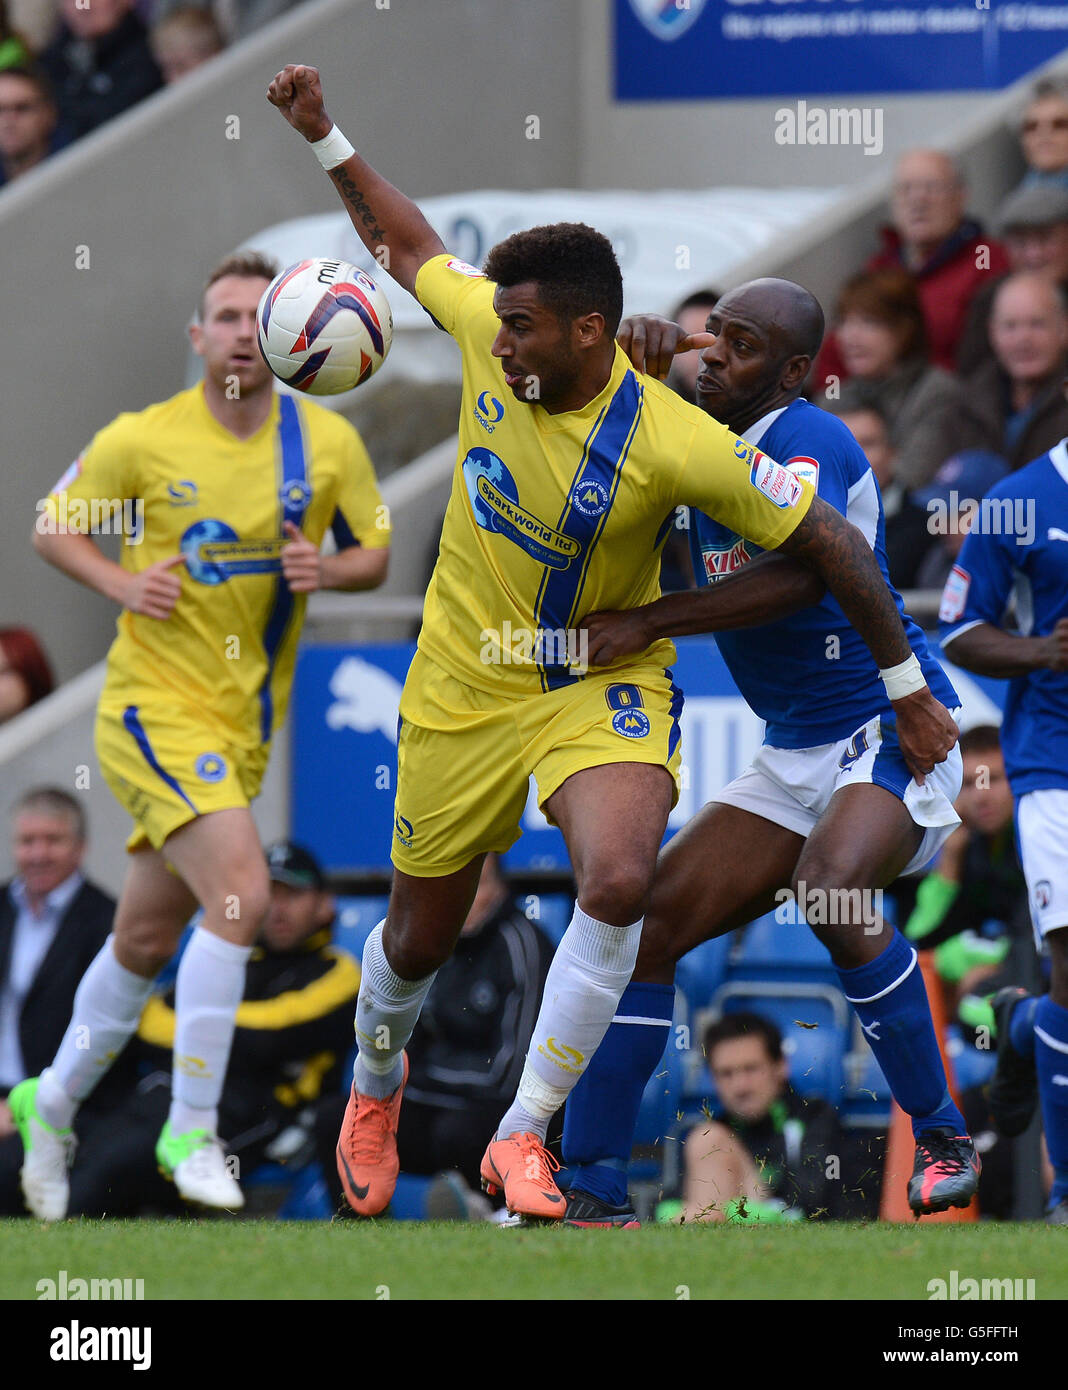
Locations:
(464, 758)
(167, 769)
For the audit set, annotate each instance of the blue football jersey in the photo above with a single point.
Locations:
(1018, 548)
(810, 676)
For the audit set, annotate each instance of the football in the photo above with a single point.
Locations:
(324, 326)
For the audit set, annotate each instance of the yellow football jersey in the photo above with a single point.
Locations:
(553, 517)
(181, 483)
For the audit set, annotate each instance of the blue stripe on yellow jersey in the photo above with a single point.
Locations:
(552, 517)
(225, 655)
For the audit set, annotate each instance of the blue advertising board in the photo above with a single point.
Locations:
(344, 749)
(685, 50)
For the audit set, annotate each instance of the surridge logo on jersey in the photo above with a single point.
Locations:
(667, 19)
(183, 493)
(215, 553)
(489, 412)
(211, 767)
(631, 723)
(777, 483)
(590, 497)
(720, 561)
(494, 499)
(404, 830)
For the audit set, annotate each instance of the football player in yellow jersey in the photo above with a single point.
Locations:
(570, 468)
(234, 488)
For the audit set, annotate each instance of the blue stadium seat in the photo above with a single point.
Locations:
(701, 971)
(971, 1066)
(867, 1095)
(814, 1022)
(550, 911)
(768, 949)
(356, 919)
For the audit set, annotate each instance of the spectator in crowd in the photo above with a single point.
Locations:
(1015, 401)
(945, 251)
(676, 567)
(907, 536)
(53, 922)
(15, 52)
(1043, 132)
(1034, 224)
(765, 1156)
(883, 341)
(28, 119)
(951, 504)
(971, 909)
(187, 37)
(691, 316)
(294, 1029)
(35, 20)
(236, 18)
(25, 675)
(467, 1052)
(100, 63)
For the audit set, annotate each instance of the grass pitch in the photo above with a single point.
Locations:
(440, 1260)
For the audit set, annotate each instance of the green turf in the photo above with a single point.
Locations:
(264, 1259)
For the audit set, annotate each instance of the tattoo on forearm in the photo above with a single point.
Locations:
(838, 551)
(358, 203)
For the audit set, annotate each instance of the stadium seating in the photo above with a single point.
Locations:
(356, 919)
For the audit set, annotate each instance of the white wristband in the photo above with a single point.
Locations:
(904, 679)
(333, 149)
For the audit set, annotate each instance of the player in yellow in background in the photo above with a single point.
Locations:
(230, 489)
(570, 468)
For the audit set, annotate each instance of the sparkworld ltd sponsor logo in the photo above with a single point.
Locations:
(96, 516)
(520, 646)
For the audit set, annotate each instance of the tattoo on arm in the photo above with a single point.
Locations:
(832, 546)
(358, 203)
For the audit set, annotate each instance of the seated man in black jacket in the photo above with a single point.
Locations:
(53, 921)
(766, 1157)
(294, 1029)
(467, 1051)
(100, 63)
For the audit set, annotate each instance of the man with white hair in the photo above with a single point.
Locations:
(947, 253)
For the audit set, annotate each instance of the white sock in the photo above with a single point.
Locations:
(207, 991)
(591, 969)
(386, 1012)
(107, 1006)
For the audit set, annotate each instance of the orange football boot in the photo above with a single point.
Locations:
(367, 1162)
(523, 1167)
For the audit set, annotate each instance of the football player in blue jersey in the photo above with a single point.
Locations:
(828, 805)
(1018, 546)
